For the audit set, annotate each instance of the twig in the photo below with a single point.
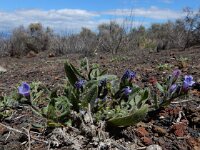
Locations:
(12, 129)
(141, 148)
(183, 101)
(29, 137)
(180, 115)
(46, 142)
(21, 132)
(119, 146)
(19, 117)
(89, 113)
(8, 136)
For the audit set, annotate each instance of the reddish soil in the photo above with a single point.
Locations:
(176, 127)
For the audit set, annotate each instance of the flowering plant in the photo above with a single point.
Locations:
(111, 99)
(90, 91)
(174, 87)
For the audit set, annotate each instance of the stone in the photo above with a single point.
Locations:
(3, 130)
(142, 132)
(2, 69)
(154, 147)
(194, 143)
(147, 140)
(179, 129)
(161, 131)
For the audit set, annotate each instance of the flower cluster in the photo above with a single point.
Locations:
(187, 83)
(129, 75)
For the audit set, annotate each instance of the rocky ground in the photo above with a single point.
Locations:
(174, 128)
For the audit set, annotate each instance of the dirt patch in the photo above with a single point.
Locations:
(176, 127)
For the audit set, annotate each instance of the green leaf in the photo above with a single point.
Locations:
(77, 72)
(94, 73)
(144, 98)
(108, 77)
(51, 123)
(130, 119)
(70, 73)
(103, 72)
(90, 95)
(51, 110)
(160, 88)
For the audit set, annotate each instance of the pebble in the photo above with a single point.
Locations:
(2, 70)
(161, 131)
(141, 132)
(146, 140)
(154, 147)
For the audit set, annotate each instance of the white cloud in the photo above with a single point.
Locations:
(57, 19)
(152, 12)
(74, 19)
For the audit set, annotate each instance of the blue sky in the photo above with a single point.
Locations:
(73, 14)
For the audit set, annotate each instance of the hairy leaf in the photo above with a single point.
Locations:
(130, 119)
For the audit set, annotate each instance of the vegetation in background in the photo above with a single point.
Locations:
(110, 37)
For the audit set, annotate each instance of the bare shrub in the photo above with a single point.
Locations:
(110, 37)
(4, 44)
(35, 38)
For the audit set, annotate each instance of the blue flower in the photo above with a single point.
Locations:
(187, 83)
(24, 89)
(79, 84)
(126, 91)
(188, 80)
(173, 88)
(176, 73)
(129, 75)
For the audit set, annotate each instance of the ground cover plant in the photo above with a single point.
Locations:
(92, 101)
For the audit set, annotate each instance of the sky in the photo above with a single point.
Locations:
(72, 15)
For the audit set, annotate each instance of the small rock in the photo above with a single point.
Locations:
(194, 143)
(3, 130)
(31, 54)
(159, 130)
(179, 129)
(142, 132)
(2, 70)
(51, 55)
(146, 140)
(154, 147)
(161, 141)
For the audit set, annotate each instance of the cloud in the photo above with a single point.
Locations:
(73, 19)
(58, 19)
(152, 12)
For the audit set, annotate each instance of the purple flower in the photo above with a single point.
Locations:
(176, 73)
(79, 84)
(24, 89)
(185, 87)
(188, 82)
(126, 91)
(188, 79)
(129, 75)
(173, 88)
